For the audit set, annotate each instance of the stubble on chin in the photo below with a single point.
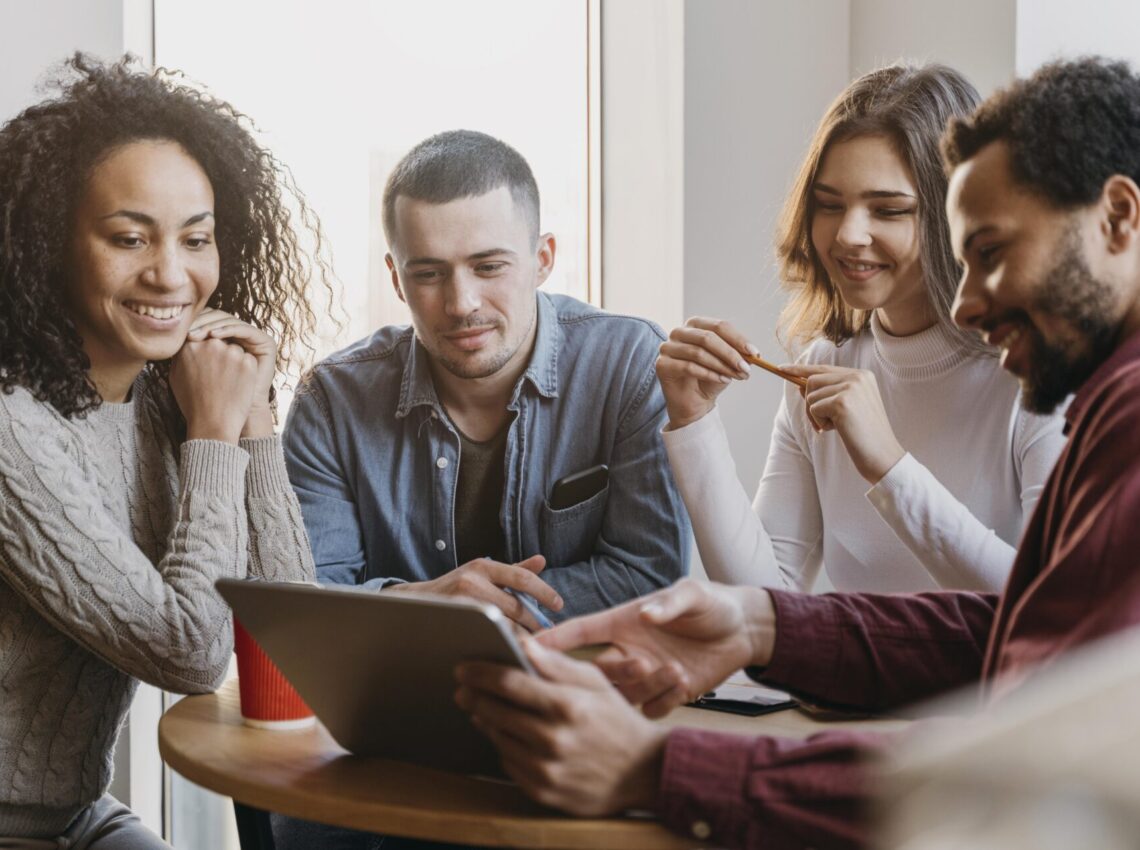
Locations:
(1087, 305)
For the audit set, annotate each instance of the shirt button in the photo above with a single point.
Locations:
(441, 463)
(440, 545)
(701, 830)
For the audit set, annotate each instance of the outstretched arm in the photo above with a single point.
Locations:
(865, 651)
(570, 741)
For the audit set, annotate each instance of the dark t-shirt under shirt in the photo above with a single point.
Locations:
(478, 495)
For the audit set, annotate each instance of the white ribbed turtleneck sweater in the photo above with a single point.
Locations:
(949, 514)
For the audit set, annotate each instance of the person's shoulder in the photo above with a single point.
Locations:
(1114, 405)
(579, 318)
(594, 329)
(18, 404)
(371, 359)
(33, 429)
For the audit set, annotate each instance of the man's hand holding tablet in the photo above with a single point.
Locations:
(569, 738)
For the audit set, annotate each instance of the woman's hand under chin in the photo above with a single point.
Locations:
(222, 378)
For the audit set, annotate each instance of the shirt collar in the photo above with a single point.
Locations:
(417, 387)
(1125, 354)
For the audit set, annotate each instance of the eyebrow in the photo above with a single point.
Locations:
(989, 228)
(149, 221)
(875, 193)
(480, 255)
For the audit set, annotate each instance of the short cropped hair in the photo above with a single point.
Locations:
(460, 164)
(1069, 127)
(909, 105)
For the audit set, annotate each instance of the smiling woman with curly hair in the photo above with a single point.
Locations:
(149, 267)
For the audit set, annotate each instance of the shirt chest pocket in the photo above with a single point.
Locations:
(571, 534)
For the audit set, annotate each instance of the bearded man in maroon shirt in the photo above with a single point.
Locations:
(1044, 209)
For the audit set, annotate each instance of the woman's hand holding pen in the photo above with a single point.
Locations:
(696, 363)
(848, 401)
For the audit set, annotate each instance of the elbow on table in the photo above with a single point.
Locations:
(202, 672)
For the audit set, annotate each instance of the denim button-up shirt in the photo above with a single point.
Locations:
(375, 461)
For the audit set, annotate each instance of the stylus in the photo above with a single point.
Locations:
(529, 603)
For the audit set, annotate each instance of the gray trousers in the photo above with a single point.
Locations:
(104, 825)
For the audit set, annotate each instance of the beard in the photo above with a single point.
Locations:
(1086, 304)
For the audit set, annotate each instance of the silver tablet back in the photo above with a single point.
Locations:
(378, 668)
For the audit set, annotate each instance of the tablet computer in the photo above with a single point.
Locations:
(378, 668)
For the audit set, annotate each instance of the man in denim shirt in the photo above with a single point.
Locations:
(424, 457)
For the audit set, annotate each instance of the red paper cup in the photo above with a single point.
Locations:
(268, 701)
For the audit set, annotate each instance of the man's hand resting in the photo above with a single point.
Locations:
(484, 579)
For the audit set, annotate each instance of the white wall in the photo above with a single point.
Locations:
(36, 35)
(757, 78)
(1053, 29)
(643, 135)
(974, 36)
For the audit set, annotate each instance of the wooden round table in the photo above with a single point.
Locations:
(306, 774)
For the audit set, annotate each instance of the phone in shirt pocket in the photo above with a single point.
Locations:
(576, 488)
(571, 518)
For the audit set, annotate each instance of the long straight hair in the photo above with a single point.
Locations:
(911, 107)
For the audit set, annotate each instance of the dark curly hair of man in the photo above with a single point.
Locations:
(46, 155)
(1069, 127)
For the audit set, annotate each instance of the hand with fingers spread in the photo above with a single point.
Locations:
(568, 738)
(673, 645)
(485, 580)
(848, 401)
(696, 363)
(213, 324)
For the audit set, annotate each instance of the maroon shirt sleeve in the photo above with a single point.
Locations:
(773, 793)
(875, 652)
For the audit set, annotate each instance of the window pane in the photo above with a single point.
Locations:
(342, 91)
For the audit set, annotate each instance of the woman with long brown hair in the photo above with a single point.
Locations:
(905, 462)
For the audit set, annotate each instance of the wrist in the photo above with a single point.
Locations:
(681, 419)
(641, 786)
(877, 470)
(222, 432)
(259, 423)
(759, 625)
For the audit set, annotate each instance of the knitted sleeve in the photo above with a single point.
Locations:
(775, 540)
(278, 546)
(958, 549)
(63, 553)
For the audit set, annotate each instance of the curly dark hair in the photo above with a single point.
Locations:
(47, 153)
(1069, 127)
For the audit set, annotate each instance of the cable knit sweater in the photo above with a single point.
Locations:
(110, 543)
(948, 514)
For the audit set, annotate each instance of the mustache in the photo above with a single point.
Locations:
(1016, 316)
(474, 321)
